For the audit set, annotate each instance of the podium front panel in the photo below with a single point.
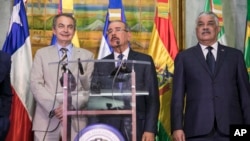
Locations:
(100, 106)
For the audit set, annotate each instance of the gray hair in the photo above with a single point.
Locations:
(65, 15)
(209, 13)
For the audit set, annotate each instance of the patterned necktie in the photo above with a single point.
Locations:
(71, 78)
(210, 59)
(64, 54)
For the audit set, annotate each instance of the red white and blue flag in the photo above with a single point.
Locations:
(18, 44)
(115, 12)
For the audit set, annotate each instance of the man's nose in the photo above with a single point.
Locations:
(65, 29)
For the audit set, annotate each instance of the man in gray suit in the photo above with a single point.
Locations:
(45, 82)
(207, 100)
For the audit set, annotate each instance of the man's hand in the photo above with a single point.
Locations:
(178, 135)
(148, 136)
(59, 112)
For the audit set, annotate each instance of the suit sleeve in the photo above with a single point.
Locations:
(5, 86)
(177, 101)
(244, 88)
(152, 101)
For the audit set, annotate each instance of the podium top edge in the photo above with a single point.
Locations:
(105, 60)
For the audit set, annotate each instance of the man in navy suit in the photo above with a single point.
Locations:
(205, 102)
(5, 94)
(147, 106)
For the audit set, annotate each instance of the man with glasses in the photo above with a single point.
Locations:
(147, 106)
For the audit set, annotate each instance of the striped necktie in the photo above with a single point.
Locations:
(64, 54)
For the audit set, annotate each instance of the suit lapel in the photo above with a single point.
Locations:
(75, 55)
(131, 56)
(110, 57)
(199, 54)
(53, 57)
(220, 58)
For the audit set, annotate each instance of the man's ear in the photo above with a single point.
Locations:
(218, 29)
(129, 35)
(53, 30)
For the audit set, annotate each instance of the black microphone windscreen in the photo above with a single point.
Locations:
(80, 66)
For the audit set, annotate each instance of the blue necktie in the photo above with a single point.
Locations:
(210, 59)
(120, 56)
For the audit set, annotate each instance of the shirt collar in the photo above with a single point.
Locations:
(69, 52)
(69, 47)
(215, 46)
(125, 54)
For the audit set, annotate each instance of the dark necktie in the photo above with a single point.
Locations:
(210, 59)
(120, 56)
(126, 99)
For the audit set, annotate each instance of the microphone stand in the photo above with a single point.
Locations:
(52, 113)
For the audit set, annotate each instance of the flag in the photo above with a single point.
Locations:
(17, 44)
(163, 49)
(115, 12)
(216, 7)
(247, 40)
(66, 6)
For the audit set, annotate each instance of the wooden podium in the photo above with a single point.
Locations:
(66, 136)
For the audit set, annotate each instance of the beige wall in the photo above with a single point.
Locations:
(5, 10)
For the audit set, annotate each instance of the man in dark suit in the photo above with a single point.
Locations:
(147, 106)
(5, 94)
(206, 101)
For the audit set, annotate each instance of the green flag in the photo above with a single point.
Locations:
(247, 40)
(216, 7)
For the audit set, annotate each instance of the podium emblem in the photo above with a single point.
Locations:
(99, 132)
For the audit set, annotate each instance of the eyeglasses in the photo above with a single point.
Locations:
(118, 29)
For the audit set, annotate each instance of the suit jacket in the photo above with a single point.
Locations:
(223, 96)
(147, 107)
(5, 93)
(45, 79)
(5, 86)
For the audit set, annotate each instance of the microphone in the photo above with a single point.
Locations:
(80, 66)
(71, 80)
(122, 68)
